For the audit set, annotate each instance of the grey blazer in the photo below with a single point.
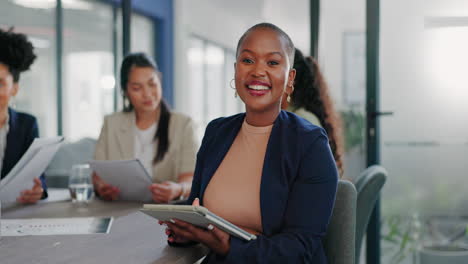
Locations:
(116, 142)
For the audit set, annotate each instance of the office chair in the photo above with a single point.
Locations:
(368, 186)
(339, 241)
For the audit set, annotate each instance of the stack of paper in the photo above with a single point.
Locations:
(31, 165)
(129, 176)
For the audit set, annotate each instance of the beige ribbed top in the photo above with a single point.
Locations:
(234, 190)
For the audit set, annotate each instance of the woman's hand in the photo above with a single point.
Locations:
(166, 191)
(32, 195)
(105, 191)
(214, 238)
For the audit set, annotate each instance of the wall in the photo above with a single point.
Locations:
(223, 22)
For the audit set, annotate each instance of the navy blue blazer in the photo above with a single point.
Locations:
(297, 190)
(23, 130)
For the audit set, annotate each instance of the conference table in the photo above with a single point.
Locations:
(133, 238)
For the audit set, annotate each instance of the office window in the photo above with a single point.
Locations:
(88, 69)
(142, 38)
(142, 34)
(37, 93)
(342, 54)
(424, 145)
(211, 69)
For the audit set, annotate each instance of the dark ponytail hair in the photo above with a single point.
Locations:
(162, 133)
(311, 93)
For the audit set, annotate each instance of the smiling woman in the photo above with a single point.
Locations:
(267, 171)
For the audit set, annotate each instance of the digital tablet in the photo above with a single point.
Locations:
(196, 215)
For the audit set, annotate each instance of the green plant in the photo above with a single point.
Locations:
(400, 237)
(353, 128)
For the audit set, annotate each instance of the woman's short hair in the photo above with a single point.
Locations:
(289, 44)
(16, 52)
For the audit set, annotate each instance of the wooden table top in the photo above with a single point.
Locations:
(133, 238)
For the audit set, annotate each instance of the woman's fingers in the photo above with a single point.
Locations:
(37, 183)
(32, 195)
(108, 192)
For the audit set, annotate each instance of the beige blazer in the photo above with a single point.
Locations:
(117, 139)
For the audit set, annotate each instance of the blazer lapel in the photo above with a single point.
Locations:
(274, 184)
(125, 136)
(13, 144)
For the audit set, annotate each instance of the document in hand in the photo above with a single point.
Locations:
(196, 215)
(31, 165)
(128, 175)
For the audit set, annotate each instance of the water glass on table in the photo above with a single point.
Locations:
(80, 184)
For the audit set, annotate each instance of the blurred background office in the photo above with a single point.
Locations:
(396, 72)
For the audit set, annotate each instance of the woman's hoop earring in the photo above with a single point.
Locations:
(233, 87)
(288, 99)
(230, 84)
(13, 102)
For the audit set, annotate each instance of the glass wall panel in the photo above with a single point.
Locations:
(142, 31)
(195, 59)
(232, 105)
(424, 145)
(214, 74)
(88, 83)
(342, 58)
(37, 93)
(211, 70)
(142, 38)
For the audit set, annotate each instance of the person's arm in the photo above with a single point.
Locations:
(100, 151)
(37, 191)
(187, 159)
(185, 165)
(308, 212)
(194, 190)
(101, 188)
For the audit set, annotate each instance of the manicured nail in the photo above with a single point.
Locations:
(172, 221)
(210, 227)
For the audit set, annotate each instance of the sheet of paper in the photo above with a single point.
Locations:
(31, 165)
(128, 175)
(55, 226)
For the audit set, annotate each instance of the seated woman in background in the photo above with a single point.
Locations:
(146, 129)
(310, 99)
(17, 130)
(267, 171)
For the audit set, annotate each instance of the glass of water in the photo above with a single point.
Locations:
(80, 184)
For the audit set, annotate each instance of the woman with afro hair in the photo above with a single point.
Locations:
(17, 130)
(310, 100)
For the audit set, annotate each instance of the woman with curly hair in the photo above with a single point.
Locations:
(17, 130)
(310, 100)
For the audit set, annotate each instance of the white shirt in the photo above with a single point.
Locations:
(3, 140)
(145, 146)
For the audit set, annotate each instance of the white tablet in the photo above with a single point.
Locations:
(196, 215)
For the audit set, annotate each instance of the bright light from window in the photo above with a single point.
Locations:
(107, 82)
(47, 4)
